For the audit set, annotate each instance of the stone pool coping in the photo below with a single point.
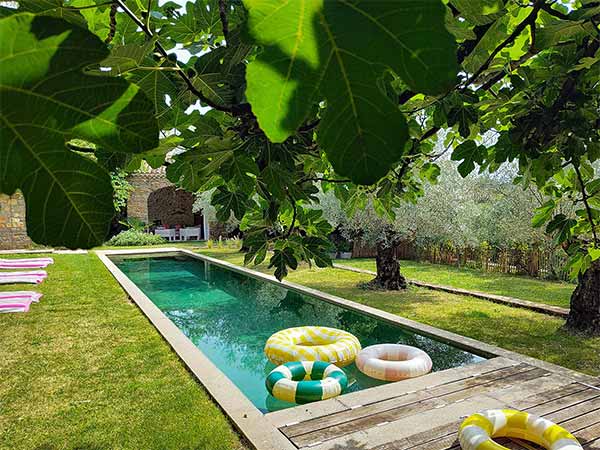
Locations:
(262, 430)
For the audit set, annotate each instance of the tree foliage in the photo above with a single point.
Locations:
(318, 57)
(345, 95)
(47, 98)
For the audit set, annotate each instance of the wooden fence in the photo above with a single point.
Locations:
(536, 263)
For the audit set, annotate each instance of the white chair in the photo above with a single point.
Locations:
(168, 233)
(190, 232)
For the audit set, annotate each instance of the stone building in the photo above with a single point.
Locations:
(154, 200)
(13, 230)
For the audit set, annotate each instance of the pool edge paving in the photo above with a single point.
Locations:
(263, 430)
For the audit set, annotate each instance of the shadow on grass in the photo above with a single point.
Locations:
(519, 286)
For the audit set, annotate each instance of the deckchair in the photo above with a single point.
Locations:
(17, 296)
(10, 307)
(33, 276)
(28, 263)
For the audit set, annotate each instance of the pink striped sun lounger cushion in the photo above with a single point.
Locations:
(33, 276)
(17, 296)
(28, 263)
(10, 307)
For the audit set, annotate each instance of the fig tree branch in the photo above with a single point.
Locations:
(224, 20)
(236, 110)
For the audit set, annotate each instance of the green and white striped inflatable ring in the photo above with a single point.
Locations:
(306, 381)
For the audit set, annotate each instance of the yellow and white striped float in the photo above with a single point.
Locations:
(312, 344)
(477, 431)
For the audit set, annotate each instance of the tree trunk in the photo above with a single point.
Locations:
(388, 269)
(585, 303)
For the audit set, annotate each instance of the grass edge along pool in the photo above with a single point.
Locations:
(229, 315)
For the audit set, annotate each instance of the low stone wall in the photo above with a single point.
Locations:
(13, 229)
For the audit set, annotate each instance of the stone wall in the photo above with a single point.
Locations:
(171, 206)
(144, 184)
(13, 230)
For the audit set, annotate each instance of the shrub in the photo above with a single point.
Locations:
(133, 223)
(135, 237)
(235, 243)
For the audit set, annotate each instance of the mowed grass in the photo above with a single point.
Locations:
(555, 293)
(519, 330)
(84, 369)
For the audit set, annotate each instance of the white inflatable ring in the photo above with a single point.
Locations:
(393, 362)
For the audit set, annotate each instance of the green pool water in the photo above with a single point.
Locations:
(229, 316)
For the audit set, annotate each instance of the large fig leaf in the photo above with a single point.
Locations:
(336, 50)
(48, 99)
(97, 19)
(220, 72)
(193, 169)
(163, 87)
(124, 58)
(201, 19)
(77, 12)
(480, 12)
(54, 8)
(155, 157)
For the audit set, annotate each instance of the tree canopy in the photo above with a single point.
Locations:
(346, 95)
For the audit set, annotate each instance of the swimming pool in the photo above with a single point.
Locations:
(230, 315)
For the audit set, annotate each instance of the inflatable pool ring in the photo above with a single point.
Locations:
(312, 344)
(306, 381)
(393, 362)
(477, 431)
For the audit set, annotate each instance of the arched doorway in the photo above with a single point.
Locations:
(170, 206)
(157, 202)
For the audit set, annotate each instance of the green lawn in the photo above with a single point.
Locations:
(516, 329)
(526, 288)
(84, 369)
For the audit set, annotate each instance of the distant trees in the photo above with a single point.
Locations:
(479, 210)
